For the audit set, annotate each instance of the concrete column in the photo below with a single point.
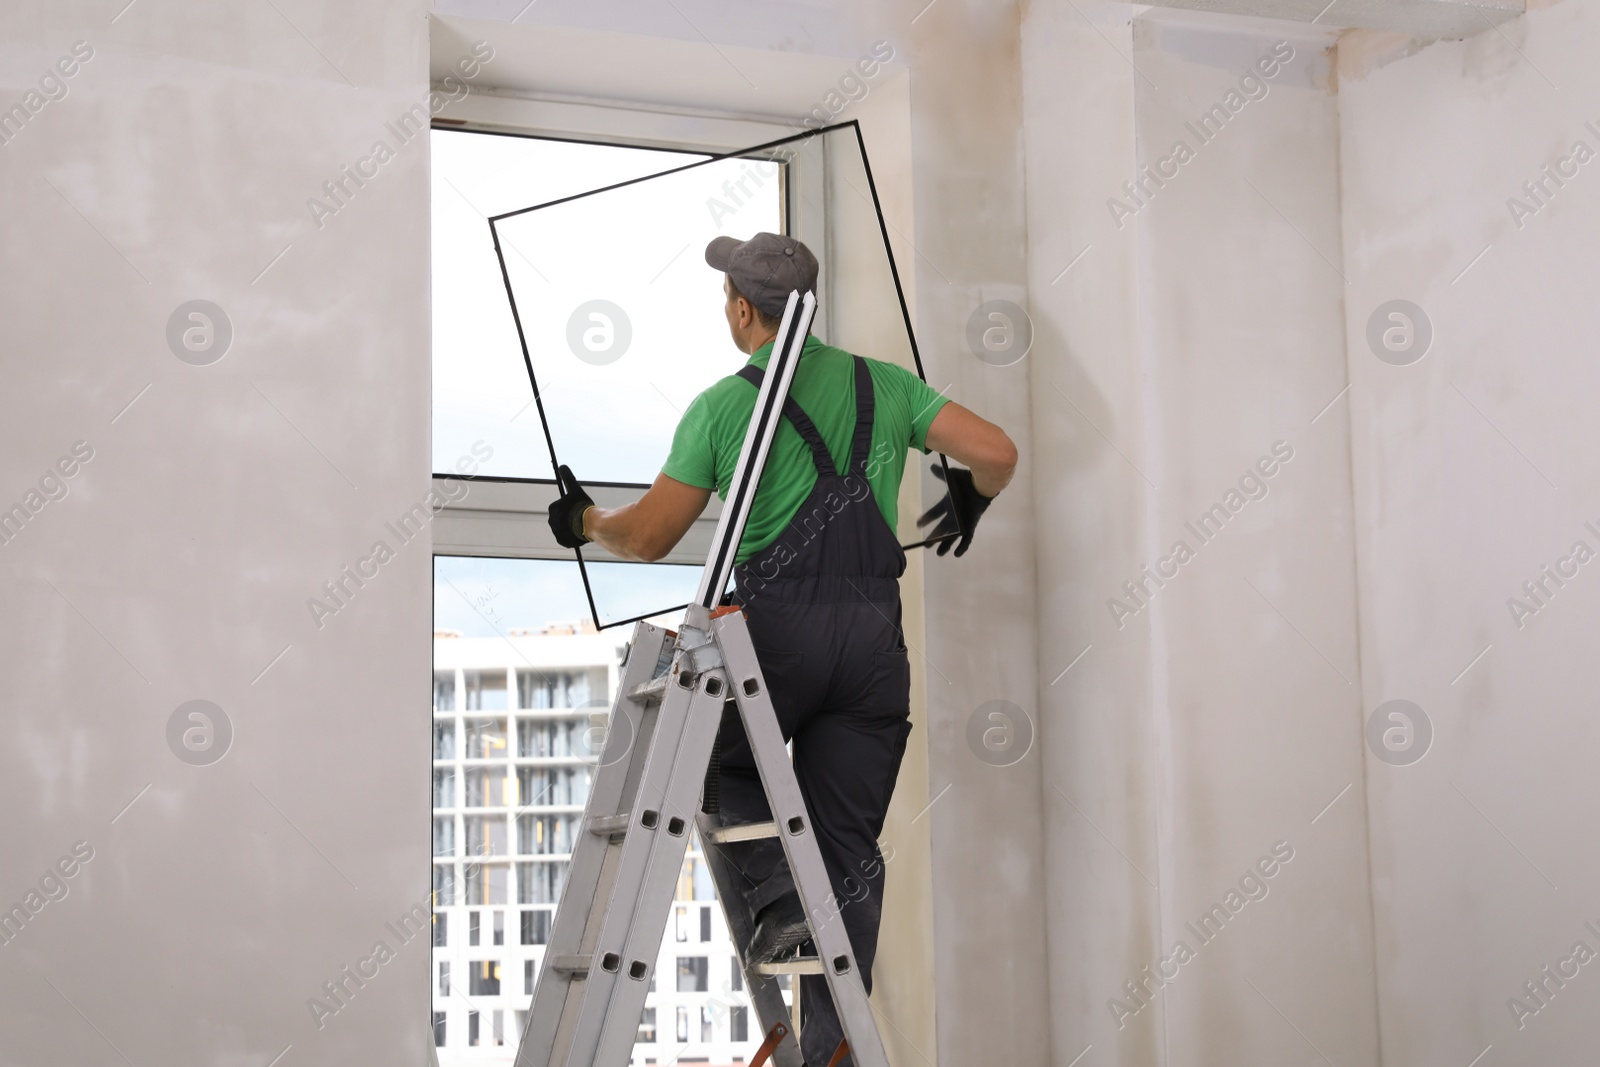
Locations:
(970, 244)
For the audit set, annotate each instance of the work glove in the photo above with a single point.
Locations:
(566, 514)
(958, 512)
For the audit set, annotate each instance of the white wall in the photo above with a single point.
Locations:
(1228, 715)
(970, 239)
(1222, 716)
(1475, 468)
(219, 498)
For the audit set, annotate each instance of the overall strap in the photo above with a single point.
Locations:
(861, 442)
(799, 420)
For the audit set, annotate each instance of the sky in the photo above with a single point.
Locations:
(641, 248)
(490, 597)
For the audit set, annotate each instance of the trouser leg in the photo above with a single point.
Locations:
(841, 690)
(847, 758)
(795, 677)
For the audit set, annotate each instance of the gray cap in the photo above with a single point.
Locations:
(766, 268)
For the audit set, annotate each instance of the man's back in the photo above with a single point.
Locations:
(706, 445)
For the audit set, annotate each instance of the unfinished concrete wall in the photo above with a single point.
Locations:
(1198, 665)
(191, 877)
(1470, 191)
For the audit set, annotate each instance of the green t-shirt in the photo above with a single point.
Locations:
(706, 445)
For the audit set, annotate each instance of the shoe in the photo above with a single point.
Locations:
(780, 927)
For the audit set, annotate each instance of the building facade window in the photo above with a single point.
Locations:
(692, 974)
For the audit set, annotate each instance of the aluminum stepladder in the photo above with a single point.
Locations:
(646, 795)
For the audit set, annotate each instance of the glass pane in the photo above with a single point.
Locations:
(444, 739)
(486, 883)
(553, 786)
(489, 787)
(485, 979)
(535, 929)
(544, 738)
(544, 835)
(444, 690)
(444, 886)
(444, 836)
(485, 690)
(539, 689)
(444, 789)
(486, 738)
(692, 974)
(485, 835)
(540, 883)
(544, 598)
(622, 316)
(480, 387)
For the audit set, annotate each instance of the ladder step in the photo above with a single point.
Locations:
(650, 692)
(744, 831)
(799, 965)
(609, 825)
(577, 966)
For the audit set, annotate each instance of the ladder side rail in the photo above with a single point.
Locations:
(589, 870)
(799, 840)
(629, 730)
(786, 348)
(616, 1022)
(664, 654)
(568, 1022)
(647, 821)
(765, 995)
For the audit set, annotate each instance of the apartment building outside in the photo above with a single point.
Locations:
(518, 722)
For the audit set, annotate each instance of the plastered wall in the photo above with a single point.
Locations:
(214, 872)
(1199, 671)
(1473, 473)
(1148, 760)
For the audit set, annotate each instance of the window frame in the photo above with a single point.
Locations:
(503, 517)
(506, 518)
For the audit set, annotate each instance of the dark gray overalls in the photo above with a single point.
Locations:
(823, 603)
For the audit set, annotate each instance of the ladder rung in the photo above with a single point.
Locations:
(607, 825)
(745, 831)
(577, 966)
(650, 692)
(800, 965)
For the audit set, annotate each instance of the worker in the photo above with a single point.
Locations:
(817, 574)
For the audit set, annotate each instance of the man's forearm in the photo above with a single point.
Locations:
(614, 530)
(648, 528)
(984, 447)
(989, 479)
